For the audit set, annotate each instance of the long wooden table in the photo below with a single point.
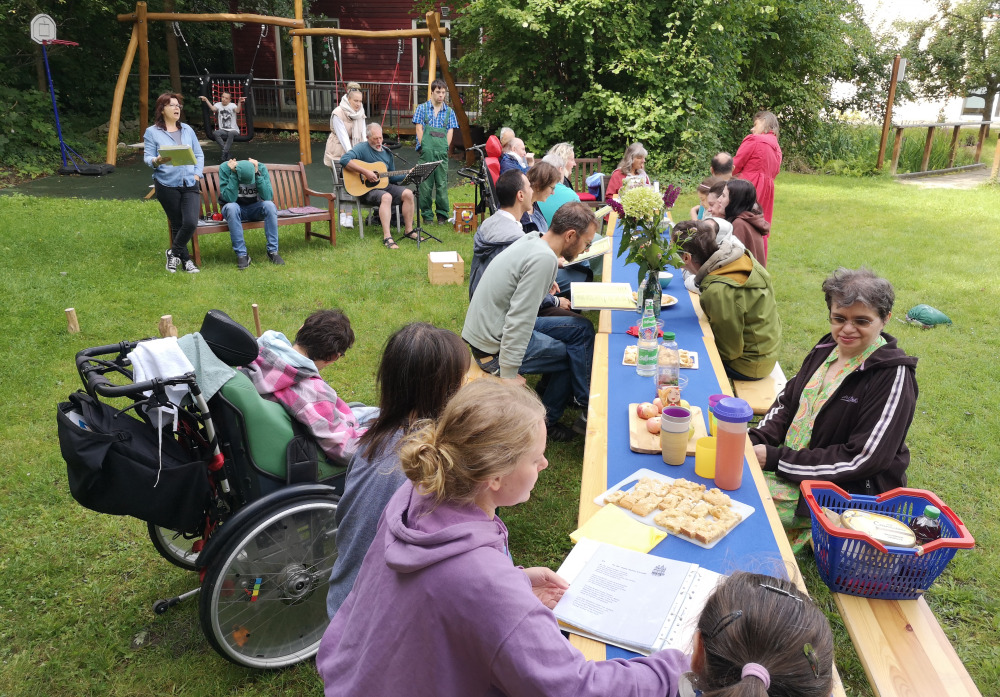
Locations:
(758, 543)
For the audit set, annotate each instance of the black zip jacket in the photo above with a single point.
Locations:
(859, 437)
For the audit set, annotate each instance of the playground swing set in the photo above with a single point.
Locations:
(212, 86)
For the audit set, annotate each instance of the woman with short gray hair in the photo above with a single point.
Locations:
(844, 417)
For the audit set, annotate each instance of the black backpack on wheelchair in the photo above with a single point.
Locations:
(236, 491)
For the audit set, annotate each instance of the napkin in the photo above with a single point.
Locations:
(614, 526)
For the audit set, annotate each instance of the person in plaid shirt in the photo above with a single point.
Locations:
(288, 373)
(434, 123)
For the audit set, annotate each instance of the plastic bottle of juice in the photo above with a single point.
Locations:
(648, 345)
(731, 416)
(927, 527)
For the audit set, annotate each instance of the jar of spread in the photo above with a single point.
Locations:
(888, 531)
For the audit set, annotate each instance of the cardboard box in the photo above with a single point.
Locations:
(445, 268)
(465, 218)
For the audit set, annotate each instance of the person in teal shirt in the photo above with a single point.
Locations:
(371, 151)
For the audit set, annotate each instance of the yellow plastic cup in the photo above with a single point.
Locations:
(704, 457)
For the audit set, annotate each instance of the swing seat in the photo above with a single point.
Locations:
(238, 86)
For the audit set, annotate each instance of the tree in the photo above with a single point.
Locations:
(682, 76)
(957, 51)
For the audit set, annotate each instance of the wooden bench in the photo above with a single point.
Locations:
(585, 166)
(760, 394)
(903, 649)
(291, 190)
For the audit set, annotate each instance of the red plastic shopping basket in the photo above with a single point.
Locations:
(852, 562)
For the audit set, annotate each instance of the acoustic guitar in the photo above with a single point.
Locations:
(357, 185)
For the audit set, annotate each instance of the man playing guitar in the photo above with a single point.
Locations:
(392, 195)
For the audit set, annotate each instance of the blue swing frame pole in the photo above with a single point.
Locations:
(55, 109)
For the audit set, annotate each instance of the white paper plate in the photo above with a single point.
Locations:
(743, 509)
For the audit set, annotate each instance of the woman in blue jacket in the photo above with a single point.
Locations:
(178, 187)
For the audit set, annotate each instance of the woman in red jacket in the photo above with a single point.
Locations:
(632, 165)
(758, 160)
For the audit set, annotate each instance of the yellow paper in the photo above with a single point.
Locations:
(178, 154)
(614, 526)
(601, 296)
(602, 246)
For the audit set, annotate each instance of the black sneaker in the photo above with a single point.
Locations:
(172, 262)
(275, 258)
(580, 425)
(190, 267)
(242, 262)
(442, 220)
(560, 433)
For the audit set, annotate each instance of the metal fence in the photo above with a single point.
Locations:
(274, 100)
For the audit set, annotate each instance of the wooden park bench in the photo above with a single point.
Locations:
(760, 394)
(291, 191)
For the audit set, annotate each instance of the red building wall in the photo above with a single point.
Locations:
(362, 60)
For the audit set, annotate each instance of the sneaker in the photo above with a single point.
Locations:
(242, 262)
(190, 267)
(275, 258)
(172, 262)
(444, 220)
(560, 433)
(580, 425)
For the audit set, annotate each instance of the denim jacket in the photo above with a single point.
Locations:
(168, 175)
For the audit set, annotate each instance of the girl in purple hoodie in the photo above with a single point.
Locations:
(439, 608)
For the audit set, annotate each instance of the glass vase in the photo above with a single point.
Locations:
(649, 289)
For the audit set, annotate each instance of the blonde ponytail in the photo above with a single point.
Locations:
(483, 432)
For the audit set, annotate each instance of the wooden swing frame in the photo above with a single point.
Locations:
(139, 42)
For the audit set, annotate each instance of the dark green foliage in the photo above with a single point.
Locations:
(683, 76)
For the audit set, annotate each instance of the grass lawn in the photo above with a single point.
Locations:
(75, 605)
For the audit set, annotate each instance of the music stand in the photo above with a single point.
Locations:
(416, 176)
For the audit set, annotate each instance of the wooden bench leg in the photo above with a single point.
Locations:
(197, 249)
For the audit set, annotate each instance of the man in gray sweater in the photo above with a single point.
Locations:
(507, 337)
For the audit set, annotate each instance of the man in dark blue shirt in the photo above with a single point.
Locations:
(372, 152)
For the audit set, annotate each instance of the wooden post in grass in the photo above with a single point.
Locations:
(74, 324)
(954, 146)
(143, 41)
(928, 143)
(888, 114)
(996, 162)
(896, 147)
(167, 327)
(983, 130)
(256, 319)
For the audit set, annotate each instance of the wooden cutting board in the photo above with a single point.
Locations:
(642, 441)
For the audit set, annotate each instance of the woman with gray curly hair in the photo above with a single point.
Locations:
(632, 165)
(844, 417)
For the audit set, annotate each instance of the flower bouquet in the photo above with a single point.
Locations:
(646, 235)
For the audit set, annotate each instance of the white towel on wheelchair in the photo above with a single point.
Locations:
(161, 358)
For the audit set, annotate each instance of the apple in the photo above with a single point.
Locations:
(646, 410)
(653, 425)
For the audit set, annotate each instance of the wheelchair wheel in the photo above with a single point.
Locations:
(263, 598)
(173, 546)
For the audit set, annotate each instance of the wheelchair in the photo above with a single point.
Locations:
(229, 487)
